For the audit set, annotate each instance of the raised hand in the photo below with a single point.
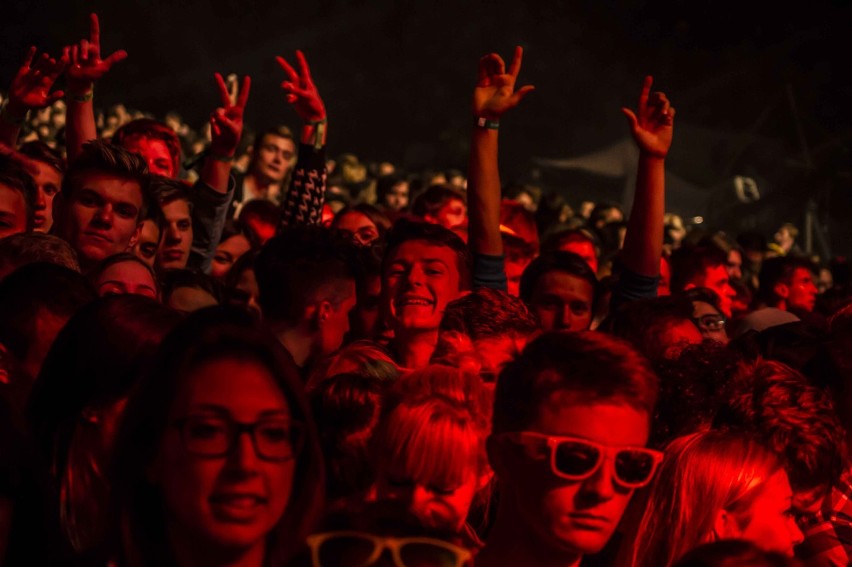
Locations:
(495, 90)
(31, 86)
(226, 122)
(301, 91)
(86, 63)
(652, 124)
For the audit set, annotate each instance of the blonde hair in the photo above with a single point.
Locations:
(701, 475)
(363, 357)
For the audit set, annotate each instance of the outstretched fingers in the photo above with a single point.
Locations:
(515, 66)
(94, 30)
(224, 96)
(303, 67)
(116, 57)
(245, 87)
(294, 76)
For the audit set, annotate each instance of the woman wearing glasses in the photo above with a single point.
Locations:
(706, 314)
(217, 460)
(715, 486)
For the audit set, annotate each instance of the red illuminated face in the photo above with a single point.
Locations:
(420, 279)
(149, 242)
(155, 153)
(48, 183)
(13, 211)
(274, 158)
(585, 250)
(227, 253)
(126, 277)
(514, 270)
(453, 214)
(717, 279)
(357, 226)
(562, 301)
(397, 198)
(572, 517)
(802, 291)
(177, 239)
(230, 502)
(335, 325)
(101, 217)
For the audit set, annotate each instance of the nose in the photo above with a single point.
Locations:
(244, 457)
(599, 486)
(796, 535)
(415, 276)
(41, 202)
(174, 235)
(564, 318)
(104, 215)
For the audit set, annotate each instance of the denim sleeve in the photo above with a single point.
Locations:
(489, 271)
(209, 213)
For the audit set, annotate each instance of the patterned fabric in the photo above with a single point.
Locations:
(303, 202)
(828, 533)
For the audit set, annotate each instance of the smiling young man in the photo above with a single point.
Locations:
(425, 267)
(571, 419)
(103, 200)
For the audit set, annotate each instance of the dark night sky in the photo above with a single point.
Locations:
(397, 76)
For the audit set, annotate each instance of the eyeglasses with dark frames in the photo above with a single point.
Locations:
(274, 439)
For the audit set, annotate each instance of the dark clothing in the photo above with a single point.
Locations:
(209, 213)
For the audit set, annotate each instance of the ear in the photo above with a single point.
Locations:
(781, 290)
(136, 234)
(725, 526)
(430, 219)
(689, 286)
(324, 310)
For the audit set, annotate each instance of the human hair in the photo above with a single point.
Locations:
(557, 261)
(433, 199)
(347, 408)
(207, 335)
(377, 217)
(102, 266)
(791, 417)
(702, 294)
(28, 247)
(651, 325)
(165, 190)
(172, 280)
(297, 265)
(487, 313)
(92, 365)
(689, 264)
(780, 270)
(152, 130)
(385, 184)
(701, 475)
(435, 235)
(593, 366)
(365, 358)
(104, 157)
(556, 240)
(14, 175)
(32, 288)
(600, 210)
(41, 152)
(733, 553)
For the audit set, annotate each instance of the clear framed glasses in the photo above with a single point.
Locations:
(711, 322)
(215, 436)
(574, 458)
(361, 549)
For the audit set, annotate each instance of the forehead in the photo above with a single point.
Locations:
(110, 186)
(46, 173)
(150, 231)
(453, 203)
(11, 200)
(610, 422)
(127, 271)
(802, 274)
(716, 274)
(413, 251)
(277, 141)
(700, 308)
(145, 146)
(562, 284)
(237, 244)
(175, 209)
(354, 219)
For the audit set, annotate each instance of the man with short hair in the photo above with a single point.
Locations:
(17, 197)
(571, 419)
(273, 157)
(560, 289)
(49, 170)
(787, 283)
(103, 200)
(306, 282)
(175, 203)
(703, 266)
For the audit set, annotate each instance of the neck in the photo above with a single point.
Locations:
(297, 343)
(260, 184)
(415, 347)
(190, 552)
(510, 542)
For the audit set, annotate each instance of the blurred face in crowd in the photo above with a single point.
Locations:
(101, 216)
(397, 198)
(357, 226)
(177, 238)
(562, 301)
(709, 321)
(274, 156)
(801, 292)
(245, 292)
(126, 277)
(222, 489)
(584, 249)
(149, 242)
(717, 279)
(227, 252)
(569, 517)
(48, 181)
(13, 211)
(420, 279)
(155, 153)
(735, 264)
(453, 214)
(334, 316)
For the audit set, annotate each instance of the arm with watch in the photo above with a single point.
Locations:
(494, 95)
(303, 201)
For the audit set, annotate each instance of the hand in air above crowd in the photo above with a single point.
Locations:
(301, 91)
(226, 122)
(652, 123)
(86, 64)
(495, 90)
(31, 86)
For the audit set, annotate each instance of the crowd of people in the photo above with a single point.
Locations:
(225, 349)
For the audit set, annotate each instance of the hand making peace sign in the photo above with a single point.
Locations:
(226, 122)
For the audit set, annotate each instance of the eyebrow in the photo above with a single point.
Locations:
(226, 412)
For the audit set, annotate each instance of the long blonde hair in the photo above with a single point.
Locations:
(701, 475)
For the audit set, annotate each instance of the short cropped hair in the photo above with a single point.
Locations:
(28, 247)
(105, 157)
(485, 313)
(14, 175)
(690, 263)
(165, 190)
(430, 201)
(152, 130)
(556, 261)
(41, 152)
(779, 270)
(294, 265)
(592, 365)
(405, 231)
(791, 417)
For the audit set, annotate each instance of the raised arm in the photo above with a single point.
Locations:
(652, 127)
(30, 90)
(85, 68)
(226, 127)
(302, 204)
